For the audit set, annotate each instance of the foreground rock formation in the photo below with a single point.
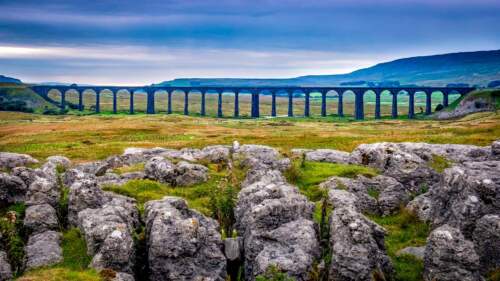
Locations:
(275, 229)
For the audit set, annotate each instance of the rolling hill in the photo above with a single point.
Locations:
(473, 68)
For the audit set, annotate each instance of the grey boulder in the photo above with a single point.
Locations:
(5, 268)
(486, 238)
(160, 169)
(40, 218)
(43, 249)
(182, 244)
(190, 174)
(43, 191)
(12, 189)
(450, 257)
(10, 160)
(83, 194)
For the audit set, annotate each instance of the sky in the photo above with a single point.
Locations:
(122, 42)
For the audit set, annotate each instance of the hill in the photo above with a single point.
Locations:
(6, 79)
(472, 68)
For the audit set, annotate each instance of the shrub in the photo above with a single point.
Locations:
(11, 235)
(222, 203)
(273, 273)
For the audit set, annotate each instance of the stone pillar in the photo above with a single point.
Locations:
(255, 105)
(394, 105)
(202, 110)
(150, 102)
(359, 107)
(340, 109)
(411, 105)
(131, 110)
(98, 102)
(236, 104)
(323, 104)
(377, 104)
(273, 104)
(186, 102)
(169, 104)
(306, 104)
(428, 103)
(290, 104)
(63, 101)
(445, 99)
(80, 100)
(115, 106)
(219, 104)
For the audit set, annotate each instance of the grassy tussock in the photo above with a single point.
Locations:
(439, 163)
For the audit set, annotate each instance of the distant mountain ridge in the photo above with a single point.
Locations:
(472, 68)
(6, 79)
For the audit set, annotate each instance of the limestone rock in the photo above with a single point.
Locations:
(357, 247)
(27, 175)
(59, 161)
(82, 195)
(417, 252)
(160, 169)
(40, 218)
(11, 160)
(182, 244)
(487, 242)
(5, 268)
(216, 153)
(364, 202)
(43, 249)
(116, 252)
(97, 168)
(12, 189)
(233, 247)
(449, 256)
(421, 206)
(43, 191)
(190, 174)
(327, 155)
(73, 175)
(495, 149)
(121, 276)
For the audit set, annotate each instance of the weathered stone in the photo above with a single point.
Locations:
(82, 195)
(260, 157)
(327, 155)
(465, 194)
(182, 244)
(216, 153)
(495, 149)
(11, 160)
(487, 242)
(341, 198)
(5, 268)
(59, 161)
(190, 174)
(364, 203)
(28, 175)
(295, 252)
(73, 175)
(40, 218)
(449, 257)
(417, 252)
(121, 276)
(97, 168)
(392, 194)
(233, 247)
(263, 176)
(43, 191)
(357, 245)
(421, 206)
(160, 169)
(43, 249)
(116, 252)
(12, 189)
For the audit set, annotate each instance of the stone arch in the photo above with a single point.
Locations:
(178, 97)
(315, 99)
(403, 100)
(281, 102)
(106, 99)
(55, 94)
(437, 98)
(385, 103)
(72, 98)
(298, 102)
(245, 103)
(349, 101)
(122, 101)
(89, 98)
(265, 102)
(369, 99)
(332, 102)
(453, 96)
(161, 100)
(194, 102)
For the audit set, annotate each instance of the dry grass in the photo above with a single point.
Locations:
(96, 137)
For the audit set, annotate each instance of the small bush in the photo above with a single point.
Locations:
(11, 235)
(273, 273)
(439, 163)
(222, 203)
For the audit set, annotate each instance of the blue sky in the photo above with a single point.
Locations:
(141, 42)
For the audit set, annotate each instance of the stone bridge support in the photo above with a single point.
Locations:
(394, 113)
(202, 109)
(377, 104)
(98, 101)
(236, 104)
(115, 103)
(307, 106)
(273, 104)
(131, 106)
(169, 102)
(290, 104)
(150, 108)
(411, 104)
(63, 101)
(428, 102)
(340, 105)
(255, 105)
(80, 100)
(323, 104)
(359, 110)
(186, 102)
(445, 98)
(219, 104)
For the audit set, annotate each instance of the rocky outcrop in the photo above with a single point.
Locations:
(43, 191)
(357, 245)
(421, 206)
(82, 195)
(10, 160)
(466, 193)
(12, 189)
(323, 155)
(40, 218)
(182, 244)
(486, 238)
(108, 233)
(182, 174)
(465, 107)
(5, 268)
(58, 160)
(378, 195)
(160, 169)
(43, 249)
(450, 257)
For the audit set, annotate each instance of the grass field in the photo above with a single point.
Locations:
(91, 137)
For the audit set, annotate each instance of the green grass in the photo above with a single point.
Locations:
(197, 196)
(309, 175)
(439, 163)
(404, 230)
(74, 250)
